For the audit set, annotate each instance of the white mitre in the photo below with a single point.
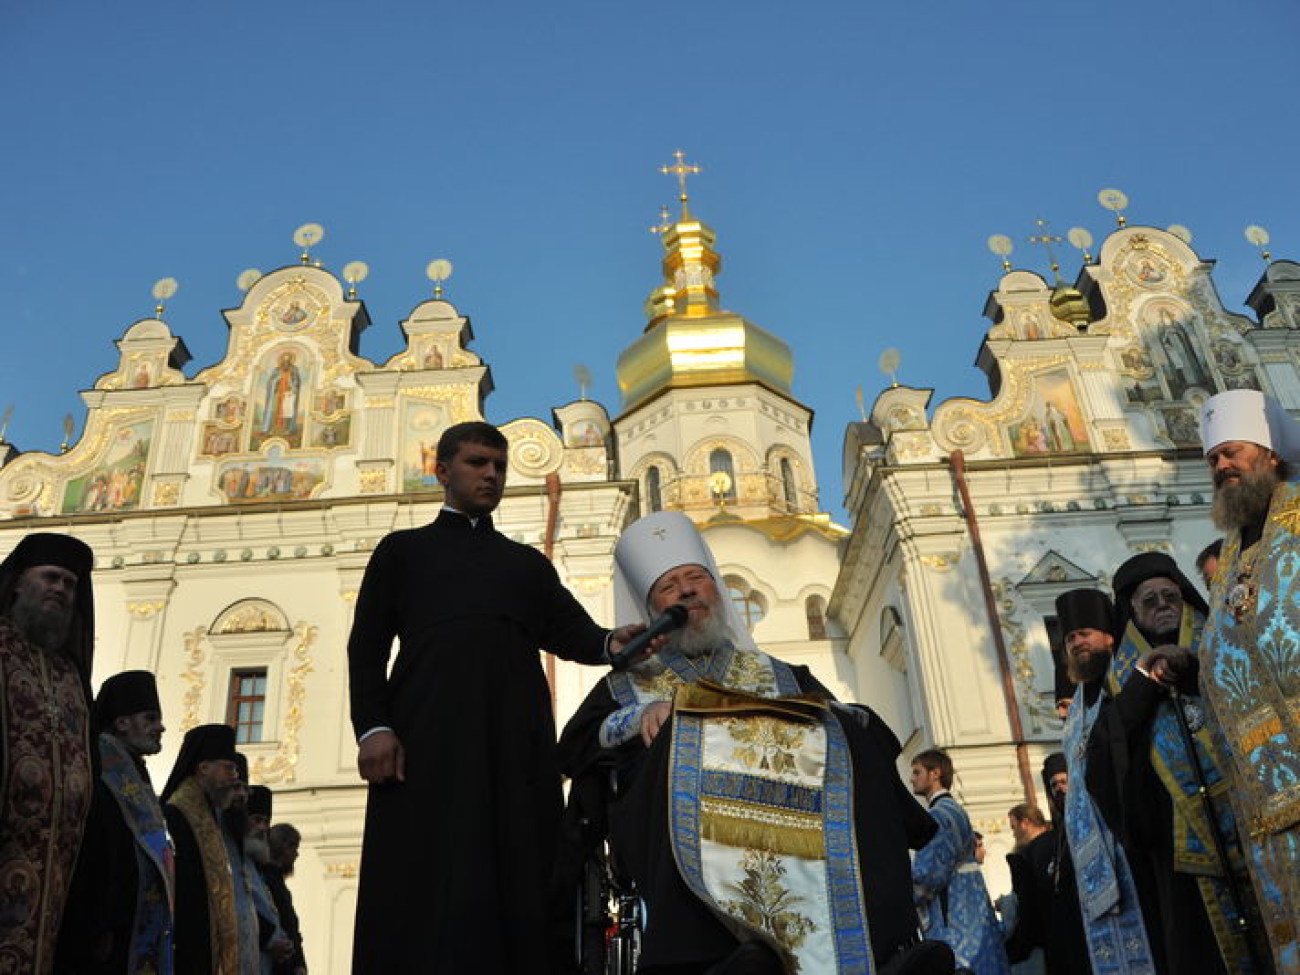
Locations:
(654, 545)
(1249, 415)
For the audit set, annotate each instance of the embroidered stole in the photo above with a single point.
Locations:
(151, 934)
(1250, 675)
(223, 922)
(1112, 919)
(760, 806)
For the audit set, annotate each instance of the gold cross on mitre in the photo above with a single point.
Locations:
(681, 169)
(1047, 240)
(661, 534)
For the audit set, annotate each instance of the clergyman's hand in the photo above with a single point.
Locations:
(653, 718)
(624, 634)
(1172, 666)
(381, 758)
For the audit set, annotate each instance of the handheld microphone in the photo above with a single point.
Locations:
(674, 617)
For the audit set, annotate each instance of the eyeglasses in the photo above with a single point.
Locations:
(1155, 597)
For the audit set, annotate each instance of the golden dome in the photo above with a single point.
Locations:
(690, 340)
(1070, 306)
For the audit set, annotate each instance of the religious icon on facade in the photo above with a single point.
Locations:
(273, 479)
(218, 440)
(280, 403)
(117, 483)
(422, 424)
(1053, 422)
(332, 433)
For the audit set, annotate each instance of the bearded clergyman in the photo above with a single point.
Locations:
(46, 641)
(1110, 912)
(1250, 665)
(764, 824)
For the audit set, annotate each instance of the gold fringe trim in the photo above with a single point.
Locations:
(747, 827)
(708, 698)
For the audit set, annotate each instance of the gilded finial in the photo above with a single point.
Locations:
(888, 363)
(354, 273)
(665, 222)
(68, 427)
(1257, 235)
(4, 421)
(862, 403)
(583, 375)
(438, 271)
(1082, 239)
(681, 169)
(1047, 240)
(163, 289)
(305, 237)
(1116, 201)
(1000, 244)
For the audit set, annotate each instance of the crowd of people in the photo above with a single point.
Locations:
(761, 823)
(98, 872)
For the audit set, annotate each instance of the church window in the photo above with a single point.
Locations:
(749, 606)
(788, 486)
(247, 704)
(815, 607)
(654, 490)
(720, 462)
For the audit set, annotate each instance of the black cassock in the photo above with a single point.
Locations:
(681, 930)
(456, 860)
(102, 900)
(1142, 816)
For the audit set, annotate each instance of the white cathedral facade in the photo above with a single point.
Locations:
(232, 511)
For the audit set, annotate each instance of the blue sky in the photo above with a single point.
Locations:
(856, 157)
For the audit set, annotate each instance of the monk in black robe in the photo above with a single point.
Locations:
(458, 742)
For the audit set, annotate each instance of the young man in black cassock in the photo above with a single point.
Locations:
(458, 742)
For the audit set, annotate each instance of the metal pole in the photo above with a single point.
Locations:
(958, 462)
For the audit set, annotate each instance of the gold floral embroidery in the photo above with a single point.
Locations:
(763, 901)
(765, 744)
(748, 673)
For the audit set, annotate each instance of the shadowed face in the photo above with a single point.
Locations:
(1088, 653)
(141, 732)
(474, 478)
(1157, 606)
(43, 604)
(1245, 475)
(924, 781)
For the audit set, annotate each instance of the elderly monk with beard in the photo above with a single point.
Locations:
(764, 824)
(1250, 665)
(1163, 751)
(1108, 904)
(46, 640)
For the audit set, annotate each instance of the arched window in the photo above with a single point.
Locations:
(749, 605)
(815, 607)
(720, 463)
(788, 486)
(654, 497)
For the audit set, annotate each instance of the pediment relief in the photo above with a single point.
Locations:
(1055, 569)
(251, 616)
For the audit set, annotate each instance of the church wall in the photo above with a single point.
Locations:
(1088, 455)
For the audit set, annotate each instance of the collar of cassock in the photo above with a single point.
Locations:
(476, 522)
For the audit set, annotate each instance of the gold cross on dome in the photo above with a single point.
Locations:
(681, 169)
(1047, 240)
